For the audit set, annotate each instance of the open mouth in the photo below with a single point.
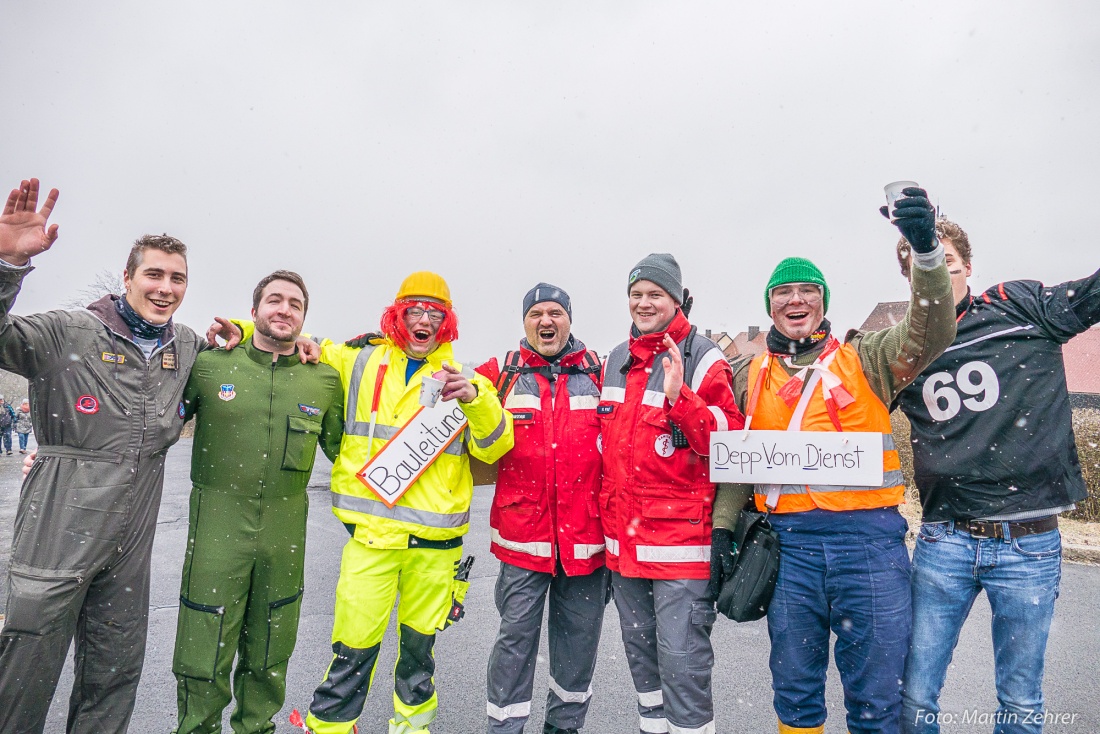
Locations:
(159, 303)
(421, 336)
(797, 316)
(547, 335)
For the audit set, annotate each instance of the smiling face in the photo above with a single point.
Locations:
(423, 320)
(546, 326)
(281, 311)
(797, 309)
(651, 307)
(157, 287)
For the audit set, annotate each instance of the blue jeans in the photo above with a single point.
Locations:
(847, 572)
(23, 441)
(1020, 577)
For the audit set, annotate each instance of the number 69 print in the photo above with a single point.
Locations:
(938, 390)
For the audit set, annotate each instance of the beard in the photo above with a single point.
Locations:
(264, 327)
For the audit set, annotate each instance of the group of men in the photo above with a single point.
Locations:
(603, 491)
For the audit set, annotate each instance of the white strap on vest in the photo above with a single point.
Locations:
(816, 369)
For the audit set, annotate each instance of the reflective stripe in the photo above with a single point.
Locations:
(526, 402)
(673, 553)
(612, 545)
(650, 699)
(511, 711)
(538, 549)
(583, 402)
(484, 443)
(653, 398)
(719, 418)
(353, 427)
(888, 443)
(386, 433)
(613, 394)
(416, 722)
(570, 696)
(893, 478)
(400, 513)
(653, 726)
(583, 550)
(707, 728)
(705, 361)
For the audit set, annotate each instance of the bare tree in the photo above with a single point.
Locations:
(105, 282)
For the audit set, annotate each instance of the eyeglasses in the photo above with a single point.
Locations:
(434, 314)
(810, 293)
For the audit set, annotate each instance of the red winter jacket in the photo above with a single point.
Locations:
(657, 500)
(545, 506)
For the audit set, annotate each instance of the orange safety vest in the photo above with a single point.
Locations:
(866, 412)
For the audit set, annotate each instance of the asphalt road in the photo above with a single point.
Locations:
(742, 685)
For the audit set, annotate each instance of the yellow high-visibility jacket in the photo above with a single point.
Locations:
(437, 505)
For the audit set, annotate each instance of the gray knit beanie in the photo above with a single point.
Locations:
(546, 292)
(662, 269)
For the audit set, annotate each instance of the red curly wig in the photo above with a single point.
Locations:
(393, 322)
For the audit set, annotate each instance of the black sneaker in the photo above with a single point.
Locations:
(548, 728)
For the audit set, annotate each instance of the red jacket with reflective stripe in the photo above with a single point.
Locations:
(545, 506)
(657, 500)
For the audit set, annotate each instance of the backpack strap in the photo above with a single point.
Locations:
(508, 374)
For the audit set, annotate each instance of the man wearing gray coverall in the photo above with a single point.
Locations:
(105, 395)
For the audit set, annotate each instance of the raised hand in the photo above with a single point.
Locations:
(674, 370)
(226, 329)
(456, 384)
(915, 217)
(23, 230)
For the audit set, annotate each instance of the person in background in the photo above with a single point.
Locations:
(7, 422)
(23, 425)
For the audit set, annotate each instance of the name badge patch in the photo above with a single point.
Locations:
(309, 409)
(605, 409)
(114, 358)
(168, 360)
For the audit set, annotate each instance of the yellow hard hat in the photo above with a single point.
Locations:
(425, 284)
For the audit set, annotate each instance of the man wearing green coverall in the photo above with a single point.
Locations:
(260, 413)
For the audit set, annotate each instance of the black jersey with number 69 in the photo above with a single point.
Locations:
(991, 417)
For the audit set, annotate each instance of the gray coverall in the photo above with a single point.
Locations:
(87, 511)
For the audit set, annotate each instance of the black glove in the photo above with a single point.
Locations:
(916, 218)
(723, 553)
(371, 337)
(685, 306)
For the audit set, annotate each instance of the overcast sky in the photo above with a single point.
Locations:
(503, 143)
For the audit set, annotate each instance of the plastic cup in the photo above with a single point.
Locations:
(893, 192)
(430, 391)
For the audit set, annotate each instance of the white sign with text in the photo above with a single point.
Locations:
(796, 457)
(412, 450)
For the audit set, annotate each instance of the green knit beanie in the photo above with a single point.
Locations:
(795, 270)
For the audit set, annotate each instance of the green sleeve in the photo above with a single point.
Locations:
(191, 395)
(728, 501)
(332, 425)
(894, 357)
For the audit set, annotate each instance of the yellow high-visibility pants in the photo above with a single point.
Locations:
(421, 581)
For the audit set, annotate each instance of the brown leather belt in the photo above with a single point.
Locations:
(995, 529)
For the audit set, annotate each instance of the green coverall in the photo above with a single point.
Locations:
(257, 427)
